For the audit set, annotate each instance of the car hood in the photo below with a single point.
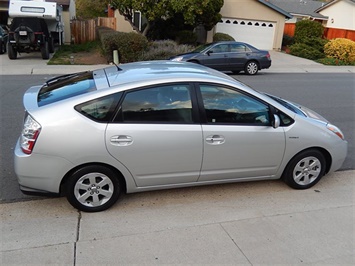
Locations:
(298, 108)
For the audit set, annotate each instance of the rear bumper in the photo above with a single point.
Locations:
(37, 173)
(339, 154)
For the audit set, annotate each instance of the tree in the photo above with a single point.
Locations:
(194, 12)
(88, 9)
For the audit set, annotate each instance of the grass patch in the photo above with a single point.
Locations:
(63, 54)
(334, 62)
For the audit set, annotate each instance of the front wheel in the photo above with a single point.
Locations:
(93, 188)
(251, 68)
(305, 169)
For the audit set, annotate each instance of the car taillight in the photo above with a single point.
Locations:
(30, 133)
(268, 56)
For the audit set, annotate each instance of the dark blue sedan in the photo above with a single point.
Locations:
(228, 56)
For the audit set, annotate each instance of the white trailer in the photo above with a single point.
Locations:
(49, 11)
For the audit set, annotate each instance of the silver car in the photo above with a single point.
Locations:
(157, 125)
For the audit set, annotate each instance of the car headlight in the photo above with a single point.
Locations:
(336, 131)
(177, 58)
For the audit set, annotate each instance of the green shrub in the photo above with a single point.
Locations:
(186, 37)
(129, 45)
(341, 49)
(308, 29)
(316, 42)
(305, 51)
(287, 40)
(219, 36)
(162, 50)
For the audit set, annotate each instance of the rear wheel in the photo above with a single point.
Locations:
(251, 68)
(305, 169)
(11, 51)
(45, 50)
(93, 188)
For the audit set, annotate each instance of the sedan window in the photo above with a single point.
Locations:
(171, 103)
(227, 106)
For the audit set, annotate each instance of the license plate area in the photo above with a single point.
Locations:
(23, 33)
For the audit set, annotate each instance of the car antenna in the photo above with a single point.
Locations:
(118, 68)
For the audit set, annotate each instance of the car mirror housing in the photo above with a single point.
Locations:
(276, 121)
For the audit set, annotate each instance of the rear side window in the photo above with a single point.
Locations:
(162, 104)
(101, 109)
(64, 87)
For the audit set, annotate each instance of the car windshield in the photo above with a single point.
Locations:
(64, 87)
(201, 48)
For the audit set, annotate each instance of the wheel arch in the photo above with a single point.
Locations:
(326, 154)
(254, 60)
(118, 174)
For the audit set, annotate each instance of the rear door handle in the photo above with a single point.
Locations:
(121, 140)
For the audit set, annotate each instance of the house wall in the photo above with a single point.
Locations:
(341, 15)
(252, 9)
(122, 24)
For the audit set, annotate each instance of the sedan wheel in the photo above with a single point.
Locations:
(305, 169)
(251, 68)
(93, 188)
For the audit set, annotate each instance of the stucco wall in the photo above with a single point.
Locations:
(252, 9)
(341, 15)
(122, 24)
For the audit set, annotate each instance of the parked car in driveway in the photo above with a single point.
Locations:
(161, 124)
(228, 56)
(3, 40)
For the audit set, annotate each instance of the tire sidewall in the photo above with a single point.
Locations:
(288, 173)
(72, 181)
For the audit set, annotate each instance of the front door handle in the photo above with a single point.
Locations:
(215, 139)
(121, 140)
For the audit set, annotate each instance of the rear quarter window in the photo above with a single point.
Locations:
(64, 87)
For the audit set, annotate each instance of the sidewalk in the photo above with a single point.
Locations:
(243, 223)
(29, 64)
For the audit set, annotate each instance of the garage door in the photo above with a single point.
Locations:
(257, 33)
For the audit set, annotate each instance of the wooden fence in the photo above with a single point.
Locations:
(85, 30)
(329, 33)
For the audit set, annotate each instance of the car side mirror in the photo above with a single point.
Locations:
(209, 52)
(276, 121)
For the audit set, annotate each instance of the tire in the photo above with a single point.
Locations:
(11, 51)
(305, 169)
(45, 50)
(93, 188)
(251, 68)
(2, 48)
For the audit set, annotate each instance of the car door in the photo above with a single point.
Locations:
(238, 56)
(239, 141)
(215, 57)
(155, 137)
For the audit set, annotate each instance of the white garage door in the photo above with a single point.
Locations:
(257, 33)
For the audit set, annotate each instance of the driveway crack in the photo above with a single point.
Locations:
(77, 236)
(236, 244)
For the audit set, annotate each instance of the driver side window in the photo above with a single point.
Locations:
(227, 106)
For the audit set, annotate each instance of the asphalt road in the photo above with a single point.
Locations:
(331, 95)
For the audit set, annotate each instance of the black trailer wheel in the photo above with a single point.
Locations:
(45, 50)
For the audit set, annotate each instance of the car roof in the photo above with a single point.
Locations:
(161, 70)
